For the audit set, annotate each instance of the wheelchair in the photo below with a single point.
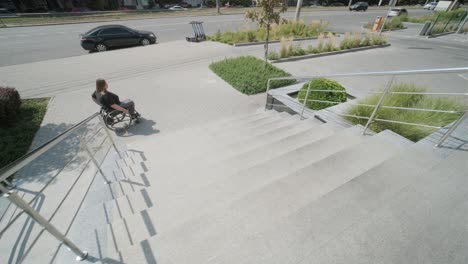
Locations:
(116, 120)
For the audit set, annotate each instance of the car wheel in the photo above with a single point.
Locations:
(145, 42)
(100, 47)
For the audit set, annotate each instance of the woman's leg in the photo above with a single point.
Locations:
(130, 105)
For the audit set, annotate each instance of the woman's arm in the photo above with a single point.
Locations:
(118, 107)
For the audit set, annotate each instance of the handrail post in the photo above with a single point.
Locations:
(462, 24)
(268, 89)
(9, 184)
(374, 113)
(101, 120)
(14, 198)
(306, 98)
(452, 128)
(93, 159)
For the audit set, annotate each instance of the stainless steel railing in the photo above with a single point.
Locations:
(20, 163)
(383, 94)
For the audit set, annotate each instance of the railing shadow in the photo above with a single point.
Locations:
(46, 167)
(144, 128)
(19, 248)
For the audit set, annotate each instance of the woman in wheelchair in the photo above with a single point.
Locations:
(112, 105)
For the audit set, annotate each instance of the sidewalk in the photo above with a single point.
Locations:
(171, 89)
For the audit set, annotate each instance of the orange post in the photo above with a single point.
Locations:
(377, 24)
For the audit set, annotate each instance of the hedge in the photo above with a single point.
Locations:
(249, 74)
(10, 103)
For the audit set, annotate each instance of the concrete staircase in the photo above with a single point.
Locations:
(266, 187)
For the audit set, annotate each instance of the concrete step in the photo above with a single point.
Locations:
(270, 169)
(202, 237)
(189, 144)
(425, 222)
(123, 178)
(307, 230)
(306, 130)
(169, 195)
(206, 130)
(220, 172)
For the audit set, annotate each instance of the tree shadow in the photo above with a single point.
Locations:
(144, 128)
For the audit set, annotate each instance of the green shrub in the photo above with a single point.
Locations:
(378, 39)
(287, 29)
(273, 55)
(337, 93)
(290, 48)
(366, 41)
(356, 40)
(299, 51)
(217, 36)
(248, 74)
(16, 140)
(10, 103)
(346, 42)
(393, 23)
(251, 36)
(420, 101)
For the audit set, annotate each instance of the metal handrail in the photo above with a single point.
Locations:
(20, 163)
(383, 93)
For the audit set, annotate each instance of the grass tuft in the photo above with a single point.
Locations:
(16, 140)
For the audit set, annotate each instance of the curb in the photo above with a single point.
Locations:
(385, 30)
(441, 34)
(310, 56)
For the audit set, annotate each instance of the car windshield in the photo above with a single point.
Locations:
(395, 10)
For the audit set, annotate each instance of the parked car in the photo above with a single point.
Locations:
(430, 6)
(177, 8)
(397, 12)
(111, 36)
(359, 6)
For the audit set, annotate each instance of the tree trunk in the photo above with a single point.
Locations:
(218, 7)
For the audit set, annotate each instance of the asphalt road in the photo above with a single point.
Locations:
(29, 44)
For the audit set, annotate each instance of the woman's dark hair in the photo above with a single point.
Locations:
(100, 85)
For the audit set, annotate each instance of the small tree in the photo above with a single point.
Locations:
(266, 15)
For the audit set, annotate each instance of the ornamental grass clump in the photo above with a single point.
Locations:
(414, 101)
(330, 45)
(320, 44)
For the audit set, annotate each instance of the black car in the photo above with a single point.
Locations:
(359, 6)
(105, 37)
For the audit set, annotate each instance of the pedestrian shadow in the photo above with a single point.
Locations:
(144, 128)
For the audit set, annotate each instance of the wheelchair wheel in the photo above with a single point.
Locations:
(118, 121)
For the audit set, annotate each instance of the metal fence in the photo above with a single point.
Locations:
(443, 24)
(383, 94)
